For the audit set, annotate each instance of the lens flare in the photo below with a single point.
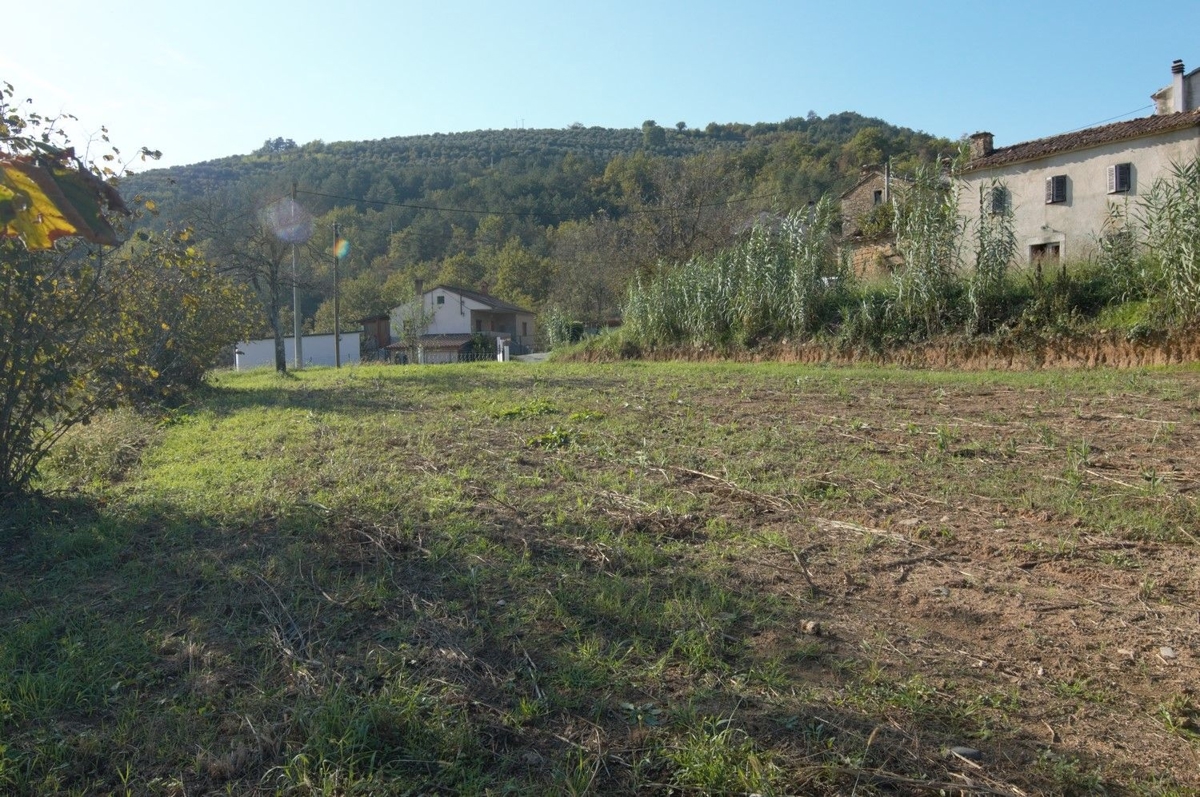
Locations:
(291, 223)
(341, 248)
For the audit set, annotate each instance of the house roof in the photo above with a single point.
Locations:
(1084, 139)
(866, 177)
(482, 298)
(872, 173)
(455, 341)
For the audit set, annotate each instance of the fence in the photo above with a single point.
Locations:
(500, 349)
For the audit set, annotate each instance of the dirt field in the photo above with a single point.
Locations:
(705, 578)
(1082, 621)
(1020, 552)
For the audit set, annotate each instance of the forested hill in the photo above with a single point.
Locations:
(561, 217)
(828, 152)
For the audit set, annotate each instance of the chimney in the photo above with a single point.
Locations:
(1178, 100)
(981, 145)
(419, 286)
(483, 287)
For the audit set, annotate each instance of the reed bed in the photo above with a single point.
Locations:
(788, 279)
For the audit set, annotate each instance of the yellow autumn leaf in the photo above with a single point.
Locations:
(53, 196)
(34, 217)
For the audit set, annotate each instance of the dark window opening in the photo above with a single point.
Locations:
(441, 300)
(878, 196)
(1044, 254)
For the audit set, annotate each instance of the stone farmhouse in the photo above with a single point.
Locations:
(864, 206)
(1062, 189)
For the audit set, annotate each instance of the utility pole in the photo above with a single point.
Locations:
(337, 330)
(299, 363)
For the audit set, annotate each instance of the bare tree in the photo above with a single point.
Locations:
(692, 215)
(593, 266)
(245, 239)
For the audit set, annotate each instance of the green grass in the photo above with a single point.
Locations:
(545, 579)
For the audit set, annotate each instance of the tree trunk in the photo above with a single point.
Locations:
(280, 352)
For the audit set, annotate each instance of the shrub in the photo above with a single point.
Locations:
(81, 329)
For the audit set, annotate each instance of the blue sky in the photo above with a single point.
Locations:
(201, 81)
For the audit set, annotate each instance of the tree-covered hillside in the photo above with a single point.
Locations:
(543, 217)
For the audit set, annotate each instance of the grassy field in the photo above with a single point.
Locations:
(599, 579)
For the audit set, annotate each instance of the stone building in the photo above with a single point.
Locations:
(1062, 189)
(866, 209)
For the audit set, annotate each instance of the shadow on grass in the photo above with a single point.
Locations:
(148, 649)
(396, 388)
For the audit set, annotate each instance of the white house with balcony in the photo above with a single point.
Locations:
(1061, 189)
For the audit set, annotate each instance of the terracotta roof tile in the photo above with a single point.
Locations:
(449, 341)
(1083, 139)
(482, 298)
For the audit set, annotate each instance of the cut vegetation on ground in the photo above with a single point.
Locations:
(573, 579)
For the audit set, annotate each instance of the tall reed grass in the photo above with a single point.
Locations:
(1170, 219)
(996, 248)
(929, 235)
(784, 280)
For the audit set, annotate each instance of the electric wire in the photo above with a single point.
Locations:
(1109, 119)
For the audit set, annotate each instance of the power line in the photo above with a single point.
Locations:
(1111, 118)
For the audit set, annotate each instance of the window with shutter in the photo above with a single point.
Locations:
(1056, 189)
(1120, 178)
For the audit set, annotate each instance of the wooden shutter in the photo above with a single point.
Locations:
(1056, 189)
(1120, 178)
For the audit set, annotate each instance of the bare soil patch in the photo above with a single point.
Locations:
(1011, 561)
(1079, 628)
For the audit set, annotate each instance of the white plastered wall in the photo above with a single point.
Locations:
(1076, 225)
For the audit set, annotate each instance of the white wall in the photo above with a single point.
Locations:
(1076, 224)
(317, 349)
(452, 317)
